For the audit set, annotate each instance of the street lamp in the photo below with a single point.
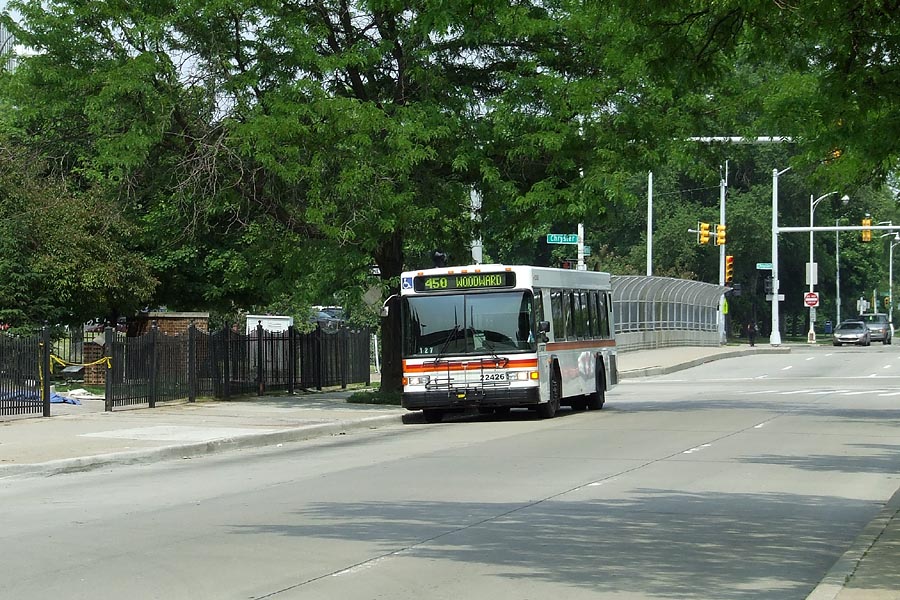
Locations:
(812, 272)
(894, 242)
(775, 336)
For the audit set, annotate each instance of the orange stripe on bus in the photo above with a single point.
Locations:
(582, 345)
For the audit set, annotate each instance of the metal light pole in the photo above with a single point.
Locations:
(775, 337)
(837, 271)
(650, 224)
(812, 273)
(895, 242)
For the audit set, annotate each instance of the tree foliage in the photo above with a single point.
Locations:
(262, 154)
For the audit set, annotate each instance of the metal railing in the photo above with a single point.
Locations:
(658, 312)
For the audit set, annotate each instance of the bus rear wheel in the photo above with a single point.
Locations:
(598, 398)
(548, 410)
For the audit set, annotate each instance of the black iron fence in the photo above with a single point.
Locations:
(21, 366)
(156, 367)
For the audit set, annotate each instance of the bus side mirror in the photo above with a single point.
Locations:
(383, 313)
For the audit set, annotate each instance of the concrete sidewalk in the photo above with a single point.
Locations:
(77, 438)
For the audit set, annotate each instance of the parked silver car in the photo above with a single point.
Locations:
(879, 327)
(851, 332)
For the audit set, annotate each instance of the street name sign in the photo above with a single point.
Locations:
(764, 266)
(562, 238)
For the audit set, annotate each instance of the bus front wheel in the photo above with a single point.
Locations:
(548, 410)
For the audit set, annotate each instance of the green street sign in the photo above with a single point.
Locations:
(764, 266)
(562, 238)
(587, 250)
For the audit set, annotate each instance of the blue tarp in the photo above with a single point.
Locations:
(36, 398)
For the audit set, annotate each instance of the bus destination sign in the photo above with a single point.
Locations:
(464, 281)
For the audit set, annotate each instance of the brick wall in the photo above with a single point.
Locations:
(170, 323)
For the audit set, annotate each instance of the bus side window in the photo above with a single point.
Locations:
(592, 315)
(604, 307)
(537, 314)
(569, 308)
(556, 309)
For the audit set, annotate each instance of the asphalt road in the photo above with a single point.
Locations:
(742, 478)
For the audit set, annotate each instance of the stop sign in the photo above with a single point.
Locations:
(811, 299)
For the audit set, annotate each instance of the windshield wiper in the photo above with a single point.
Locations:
(446, 343)
(497, 359)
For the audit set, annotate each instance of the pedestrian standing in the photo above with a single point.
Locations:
(751, 333)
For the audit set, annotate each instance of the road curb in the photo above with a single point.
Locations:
(151, 455)
(842, 572)
(660, 370)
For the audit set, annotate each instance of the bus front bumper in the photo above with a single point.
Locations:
(471, 398)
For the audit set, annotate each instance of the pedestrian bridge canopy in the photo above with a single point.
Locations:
(658, 312)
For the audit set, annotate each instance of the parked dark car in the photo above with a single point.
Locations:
(851, 332)
(879, 327)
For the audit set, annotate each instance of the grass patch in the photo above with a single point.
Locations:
(375, 397)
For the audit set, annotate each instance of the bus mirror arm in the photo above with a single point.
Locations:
(383, 313)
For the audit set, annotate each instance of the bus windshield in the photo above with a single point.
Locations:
(484, 323)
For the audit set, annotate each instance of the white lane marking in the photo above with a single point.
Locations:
(762, 377)
(696, 449)
(762, 392)
(788, 367)
(760, 426)
(861, 393)
(792, 392)
(886, 366)
(890, 394)
(811, 358)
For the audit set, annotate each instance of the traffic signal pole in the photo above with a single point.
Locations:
(723, 184)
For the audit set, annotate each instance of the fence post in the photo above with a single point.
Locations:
(320, 357)
(45, 370)
(226, 368)
(344, 341)
(292, 359)
(154, 331)
(108, 353)
(260, 384)
(368, 363)
(192, 362)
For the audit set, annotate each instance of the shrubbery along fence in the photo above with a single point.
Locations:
(156, 367)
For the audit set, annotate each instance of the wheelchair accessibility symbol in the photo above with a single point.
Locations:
(406, 283)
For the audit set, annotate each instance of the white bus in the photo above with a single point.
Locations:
(495, 337)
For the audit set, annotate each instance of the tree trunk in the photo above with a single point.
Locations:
(389, 258)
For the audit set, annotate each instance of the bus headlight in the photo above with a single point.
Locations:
(420, 380)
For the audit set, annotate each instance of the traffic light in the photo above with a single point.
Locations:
(867, 233)
(702, 233)
(729, 268)
(720, 235)
(887, 301)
